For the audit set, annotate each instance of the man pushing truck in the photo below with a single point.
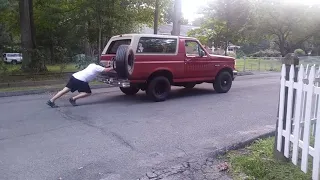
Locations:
(79, 81)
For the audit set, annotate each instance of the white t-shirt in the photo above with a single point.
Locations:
(89, 73)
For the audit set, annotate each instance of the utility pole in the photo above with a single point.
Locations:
(177, 18)
(156, 18)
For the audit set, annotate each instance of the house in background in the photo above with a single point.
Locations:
(220, 51)
(232, 48)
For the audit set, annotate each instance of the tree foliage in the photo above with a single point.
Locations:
(224, 21)
(288, 25)
(252, 23)
(65, 28)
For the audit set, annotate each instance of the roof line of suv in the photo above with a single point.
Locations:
(155, 35)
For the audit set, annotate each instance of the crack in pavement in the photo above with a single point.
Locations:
(84, 120)
(207, 169)
(182, 151)
(122, 140)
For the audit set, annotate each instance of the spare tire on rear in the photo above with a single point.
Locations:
(124, 61)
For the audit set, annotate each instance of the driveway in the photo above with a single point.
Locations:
(114, 136)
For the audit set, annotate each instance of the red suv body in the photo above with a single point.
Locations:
(182, 60)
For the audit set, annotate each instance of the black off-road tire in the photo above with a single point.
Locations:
(130, 91)
(14, 62)
(159, 88)
(223, 82)
(124, 61)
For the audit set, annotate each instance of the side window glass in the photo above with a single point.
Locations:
(193, 49)
(153, 45)
(114, 45)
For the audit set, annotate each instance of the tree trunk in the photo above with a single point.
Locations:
(228, 28)
(156, 18)
(177, 18)
(281, 47)
(27, 41)
(32, 62)
(99, 35)
(52, 59)
(99, 43)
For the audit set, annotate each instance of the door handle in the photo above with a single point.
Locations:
(188, 60)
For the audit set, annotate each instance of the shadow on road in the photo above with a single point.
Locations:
(143, 98)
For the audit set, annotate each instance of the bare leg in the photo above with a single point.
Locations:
(60, 93)
(81, 95)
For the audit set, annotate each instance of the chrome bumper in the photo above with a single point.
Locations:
(115, 82)
(235, 74)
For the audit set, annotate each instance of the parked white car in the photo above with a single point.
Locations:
(13, 58)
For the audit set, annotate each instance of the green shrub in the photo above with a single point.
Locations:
(240, 54)
(267, 53)
(82, 61)
(299, 52)
(3, 68)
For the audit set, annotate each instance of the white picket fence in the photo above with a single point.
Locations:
(302, 132)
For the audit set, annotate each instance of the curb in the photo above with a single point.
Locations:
(41, 91)
(245, 73)
(185, 166)
(13, 83)
(32, 83)
(243, 144)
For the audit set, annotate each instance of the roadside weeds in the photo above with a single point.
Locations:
(257, 162)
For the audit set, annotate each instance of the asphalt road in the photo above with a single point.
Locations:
(112, 136)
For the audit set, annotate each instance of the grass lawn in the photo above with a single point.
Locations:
(14, 74)
(58, 86)
(15, 69)
(257, 162)
(255, 64)
(17, 89)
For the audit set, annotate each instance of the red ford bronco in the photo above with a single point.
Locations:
(154, 63)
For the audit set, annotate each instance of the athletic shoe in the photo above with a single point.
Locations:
(73, 102)
(52, 104)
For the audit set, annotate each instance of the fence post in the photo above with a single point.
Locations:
(259, 62)
(289, 60)
(244, 63)
(265, 67)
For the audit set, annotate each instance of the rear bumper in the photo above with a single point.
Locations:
(112, 80)
(116, 82)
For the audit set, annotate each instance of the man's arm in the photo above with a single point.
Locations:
(106, 70)
(102, 69)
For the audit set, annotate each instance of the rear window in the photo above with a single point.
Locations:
(114, 45)
(154, 45)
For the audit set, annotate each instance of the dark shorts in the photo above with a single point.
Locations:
(77, 85)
